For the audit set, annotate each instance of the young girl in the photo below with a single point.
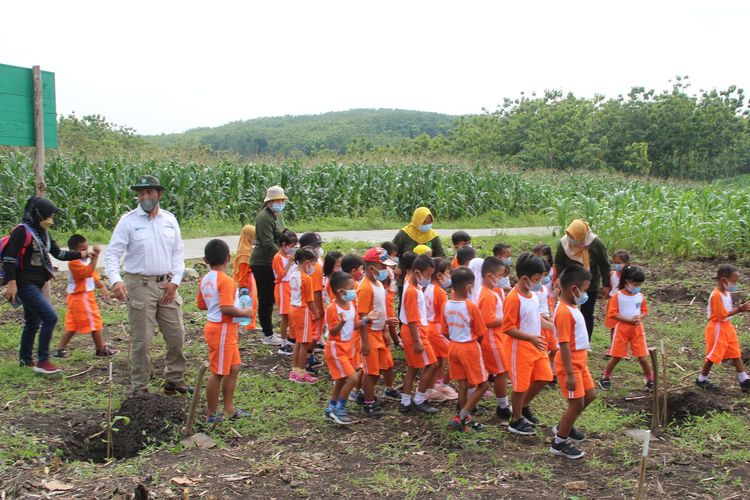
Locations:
(625, 314)
(620, 259)
(302, 314)
(243, 275)
(331, 264)
(283, 269)
(544, 309)
(435, 298)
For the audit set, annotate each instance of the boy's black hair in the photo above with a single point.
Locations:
(498, 248)
(528, 265)
(623, 255)
(465, 254)
(462, 277)
(547, 266)
(287, 237)
(441, 264)
(389, 247)
(407, 261)
(491, 265)
(216, 252)
(338, 279)
(350, 262)
(304, 254)
(574, 275)
(330, 261)
(74, 241)
(546, 252)
(631, 273)
(460, 236)
(423, 262)
(724, 271)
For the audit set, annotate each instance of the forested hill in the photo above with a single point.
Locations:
(334, 131)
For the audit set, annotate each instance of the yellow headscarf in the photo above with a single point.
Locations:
(245, 246)
(420, 249)
(577, 240)
(420, 215)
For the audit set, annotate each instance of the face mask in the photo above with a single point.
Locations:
(618, 267)
(319, 252)
(382, 275)
(357, 275)
(425, 227)
(46, 223)
(535, 287)
(148, 204)
(291, 250)
(349, 295)
(634, 289)
(546, 280)
(395, 260)
(423, 282)
(503, 283)
(446, 283)
(732, 287)
(278, 207)
(582, 299)
(309, 270)
(508, 261)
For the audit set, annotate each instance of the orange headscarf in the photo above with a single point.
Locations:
(245, 246)
(577, 240)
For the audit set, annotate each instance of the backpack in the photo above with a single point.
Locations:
(21, 253)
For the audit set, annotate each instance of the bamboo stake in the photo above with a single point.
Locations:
(110, 447)
(188, 431)
(664, 385)
(655, 417)
(642, 468)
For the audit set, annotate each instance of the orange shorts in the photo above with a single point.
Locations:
(301, 324)
(83, 313)
(338, 354)
(465, 362)
(440, 343)
(357, 349)
(527, 364)
(626, 335)
(493, 352)
(223, 346)
(549, 337)
(581, 373)
(380, 355)
(282, 294)
(413, 359)
(721, 342)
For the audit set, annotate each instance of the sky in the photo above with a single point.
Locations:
(168, 66)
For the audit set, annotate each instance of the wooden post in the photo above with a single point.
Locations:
(664, 387)
(188, 430)
(642, 466)
(41, 187)
(655, 416)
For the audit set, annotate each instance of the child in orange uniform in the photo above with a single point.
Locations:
(241, 272)
(625, 314)
(503, 252)
(302, 314)
(464, 326)
(435, 296)
(217, 294)
(526, 348)
(83, 314)
(460, 239)
(341, 318)
(620, 259)
(354, 265)
(314, 241)
(390, 303)
(493, 346)
(417, 348)
(331, 264)
(721, 336)
(571, 361)
(544, 309)
(283, 269)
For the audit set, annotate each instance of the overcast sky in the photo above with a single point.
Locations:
(167, 66)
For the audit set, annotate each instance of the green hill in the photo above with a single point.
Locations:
(333, 131)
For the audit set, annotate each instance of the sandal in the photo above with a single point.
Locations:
(60, 353)
(216, 418)
(238, 413)
(106, 352)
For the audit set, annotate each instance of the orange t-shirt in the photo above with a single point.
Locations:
(436, 306)
(413, 309)
(279, 267)
(302, 290)
(570, 327)
(317, 278)
(216, 290)
(454, 262)
(491, 307)
(82, 277)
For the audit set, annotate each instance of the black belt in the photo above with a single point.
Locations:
(147, 277)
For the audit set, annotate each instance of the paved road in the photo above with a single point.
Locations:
(194, 247)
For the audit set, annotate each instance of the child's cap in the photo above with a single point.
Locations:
(420, 249)
(378, 254)
(310, 240)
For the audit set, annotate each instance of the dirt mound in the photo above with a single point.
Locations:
(685, 404)
(149, 418)
(680, 294)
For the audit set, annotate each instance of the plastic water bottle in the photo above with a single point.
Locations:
(245, 302)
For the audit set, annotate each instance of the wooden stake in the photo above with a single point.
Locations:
(188, 431)
(41, 187)
(110, 447)
(642, 468)
(664, 385)
(655, 418)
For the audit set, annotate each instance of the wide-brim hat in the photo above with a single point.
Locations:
(147, 182)
(275, 193)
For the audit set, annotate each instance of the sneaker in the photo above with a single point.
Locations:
(456, 424)
(404, 409)
(311, 370)
(707, 385)
(745, 385)
(340, 416)
(271, 339)
(172, 388)
(319, 347)
(530, 418)
(521, 427)
(575, 436)
(373, 410)
(295, 377)
(650, 385)
(306, 378)
(474, 425)
(286, 350)
(605, 384)
(313, 361)
(504, 413)
(356, 396)
(23, 363)
(435, 396)
(448, 391)
(392, 394)
(46, 367)
(60, 353)
(425, 407)
(565, 449)
(327, 412)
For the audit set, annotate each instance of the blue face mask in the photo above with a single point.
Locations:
(634, 290)
(382, 275)
(278, 207)
(732, 287)
(425, 227)
(424, 283)
(582, 299)
(546, 280)
(446, 283)
(535, 287)
(310, 270)
(349, 295)
(508, 261)
(618, 267)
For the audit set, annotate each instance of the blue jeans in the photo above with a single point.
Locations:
(36, 311)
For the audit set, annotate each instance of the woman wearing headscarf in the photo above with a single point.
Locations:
(581, 247)
(27, 267)
(243, 274)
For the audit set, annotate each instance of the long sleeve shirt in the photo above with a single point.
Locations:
(268, 231)
(32, 268)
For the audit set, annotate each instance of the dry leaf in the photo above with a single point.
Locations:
(182, 481)
(55, 485)
(576, 485)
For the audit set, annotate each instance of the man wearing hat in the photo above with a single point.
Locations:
(149, 239)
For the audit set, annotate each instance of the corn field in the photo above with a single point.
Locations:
(633, 213)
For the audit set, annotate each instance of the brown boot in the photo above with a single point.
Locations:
(172, 388)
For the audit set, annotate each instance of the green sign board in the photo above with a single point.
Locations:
(17, 107)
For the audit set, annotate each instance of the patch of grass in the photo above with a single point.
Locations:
(17, 447)
(601, 418)
(389, 481)
(724, 435)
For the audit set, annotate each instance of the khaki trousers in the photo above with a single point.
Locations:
(144, 313)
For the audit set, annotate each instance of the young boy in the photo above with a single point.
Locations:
(376, 352)
(217, 294)
(503, 252)
(493, 349)
(355, 266)
(283, 268)
(417, 348)
(721, 336)
(465, 255)
(571, 360)
(314, 241)
(527, 356)
(341, 318)
(460, 239)
(464, 326)
(83, 314)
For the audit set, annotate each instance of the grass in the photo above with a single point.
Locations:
(722, 435)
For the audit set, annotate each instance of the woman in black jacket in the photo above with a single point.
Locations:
(27, 268)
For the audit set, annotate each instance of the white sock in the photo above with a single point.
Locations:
(702, 378)
(405, 399)
(419, 398)
(470, 391)
(742, 376)
(502, 402)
